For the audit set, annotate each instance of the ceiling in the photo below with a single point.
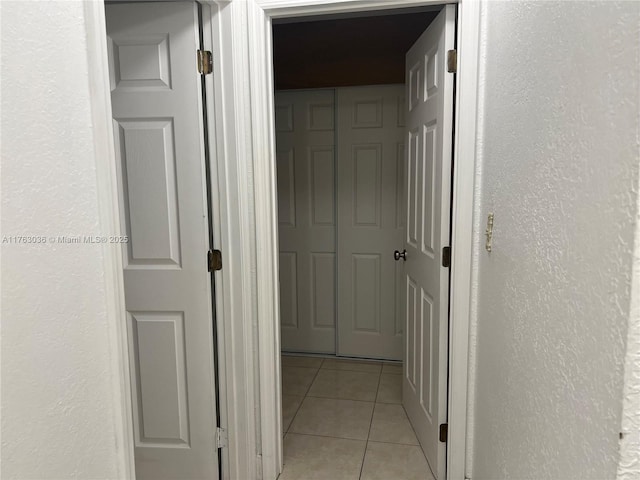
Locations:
(346, 51)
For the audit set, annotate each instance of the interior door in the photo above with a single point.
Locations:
(428, 190)
(306, 219)
(158, 124)
(370, 132)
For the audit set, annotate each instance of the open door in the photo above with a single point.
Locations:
(158, 124)
(428, 191)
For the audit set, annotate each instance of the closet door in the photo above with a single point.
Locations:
(370, 139)
(306, 217)
(159, 137)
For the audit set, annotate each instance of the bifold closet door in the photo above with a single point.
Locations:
(371, 220)
(306, 217)
(160, 159)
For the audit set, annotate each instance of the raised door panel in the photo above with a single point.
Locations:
(322, 186)
(129, 73)
(367, 184)
(286, 188)
(158, 343)
(323, 286)
(147, 155)
(288, 290)
(428, 188)
(366, 284)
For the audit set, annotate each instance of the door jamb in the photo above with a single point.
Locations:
(109, 220)
(259, 88)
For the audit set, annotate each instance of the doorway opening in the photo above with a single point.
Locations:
(364, 138)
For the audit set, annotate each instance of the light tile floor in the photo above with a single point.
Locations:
(343, 420)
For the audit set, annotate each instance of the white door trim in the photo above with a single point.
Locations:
(233, 209)
(462, 211)
(259, 87)
(109, 219)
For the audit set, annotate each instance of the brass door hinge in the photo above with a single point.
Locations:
(446, 256)
(205, 62)
(214, 260)
(444, 431)
(221, 438)
(452, 61)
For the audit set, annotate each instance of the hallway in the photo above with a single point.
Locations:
(343, 420)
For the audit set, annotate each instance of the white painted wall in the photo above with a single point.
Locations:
(629, 464)
(61, 405)
(560, 96)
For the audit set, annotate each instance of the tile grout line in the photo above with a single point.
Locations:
(305, 396)
(373, 412)
(331, 436)
(314, 379)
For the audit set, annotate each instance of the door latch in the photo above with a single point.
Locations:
(489, 232)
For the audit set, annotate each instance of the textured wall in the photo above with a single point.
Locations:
(629, 465)
(58, 402)
(559, 147)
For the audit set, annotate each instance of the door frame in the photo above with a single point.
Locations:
(259, 88)
(241, 136)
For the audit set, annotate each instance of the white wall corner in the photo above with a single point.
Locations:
(106, 179)
(477, 242)
(629, 464)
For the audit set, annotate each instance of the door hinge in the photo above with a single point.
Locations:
(452, 61)
(214, 260)
(446, 256)
(444, 431)
(221, 438)
(259, 466)
(205, 62)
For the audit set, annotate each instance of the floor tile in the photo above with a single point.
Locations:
(394, 368)
(351, 365)
(290, 404)
(296, 380)
(299, 361)
(390, 424)
(345, 384)
(308, 457)
(384, 461)
(390, 390)
(333, 418)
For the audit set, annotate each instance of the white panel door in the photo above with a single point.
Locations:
(428, 190)
(306, 217)
(370, 131)
(157, 115)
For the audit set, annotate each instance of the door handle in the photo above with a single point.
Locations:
(397, 255)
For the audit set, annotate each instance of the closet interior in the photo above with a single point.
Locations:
(340, 156)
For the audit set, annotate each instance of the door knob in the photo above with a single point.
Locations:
(400, 255)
